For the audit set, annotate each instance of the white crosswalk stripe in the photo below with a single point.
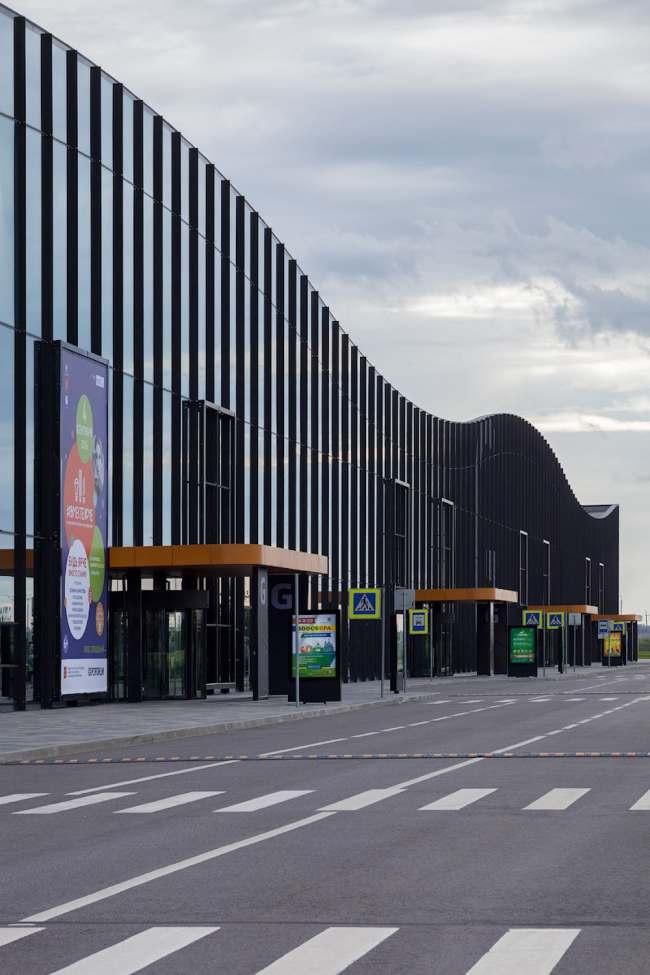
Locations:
(263, 802)
(643, 802)
(57, 807)
(330, 952)
(458, 800)
(535, 951)
(21, 796)
(137, 952)
(9, 935)
(558, 799)
(169, 803)
(361, 800)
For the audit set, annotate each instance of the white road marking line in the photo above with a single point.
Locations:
(416, 724)
(8, 935)
(366, 734)
(436, 702)
(519, 744)
(145, 878)
(590, 687)
(362, 800)
(150, 778)
(57, 807)
(169, 803)
(535, 951)
(607, 698)
(537, 700)
(558, 799)
(263, 802)
(433, 775)
(297, 748)
(399, 727)
(21, 796)
(573, 699)
(643, 802)
(458, 800)
(137, 952)
(330, 952)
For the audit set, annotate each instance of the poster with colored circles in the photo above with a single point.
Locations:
(84, 522)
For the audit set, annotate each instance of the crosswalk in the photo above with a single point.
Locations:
(535, 951)
(557, 799)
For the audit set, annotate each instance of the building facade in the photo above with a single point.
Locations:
(240, 411)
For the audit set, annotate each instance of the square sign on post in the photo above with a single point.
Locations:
(418, 622)
(365, 604)
(555, 621)
(603, 629)
(533, 618)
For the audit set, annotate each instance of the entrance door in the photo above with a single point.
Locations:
(173, 654)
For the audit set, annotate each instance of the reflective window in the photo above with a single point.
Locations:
(127, 167)
(148, 150)
(167, 165)
(216, 325)
(147, 500)
(107, 264)
(127, 476)
(58, 92)
(185, 179)
(167, 300)
(7, 429)
(148, 289)
(29, 437)
(185, 311)
(201, 285)
(33, 231)
(59, 223)
(83, 106)
(6, 64)
(32, 77)
(203, 165)
(107, 121)
(128, 278)
(167, 470)
(6, 218)
(84, 253)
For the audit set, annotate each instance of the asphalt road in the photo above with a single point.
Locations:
(504, 865)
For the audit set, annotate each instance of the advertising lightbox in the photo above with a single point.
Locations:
(523, 644)
(84, 524)
(316, 646)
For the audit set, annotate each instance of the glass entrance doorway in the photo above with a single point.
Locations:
(174, 654)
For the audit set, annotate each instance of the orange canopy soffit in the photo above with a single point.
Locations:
(620, 617)
(573, 608)
(466, 596)
(215, 560)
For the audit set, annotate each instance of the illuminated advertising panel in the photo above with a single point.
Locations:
(316, 646)
(523, 644)
(84, 524)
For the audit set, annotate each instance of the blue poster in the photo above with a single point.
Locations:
(84, 524)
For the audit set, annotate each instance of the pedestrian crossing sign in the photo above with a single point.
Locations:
(418, 621)
(618, 627)
(555, 621)
(365, 604)
(533, 618)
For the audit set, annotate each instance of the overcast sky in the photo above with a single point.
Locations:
(466, 183)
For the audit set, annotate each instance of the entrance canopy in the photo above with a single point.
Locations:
(485, 595)
(573, 608)
(620, 617)
(215, 560)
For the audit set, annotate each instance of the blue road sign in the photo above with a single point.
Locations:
(365, 604)
(418, 621)
(555, 621)
(533, 618)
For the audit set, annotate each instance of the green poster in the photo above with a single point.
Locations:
(523, 645)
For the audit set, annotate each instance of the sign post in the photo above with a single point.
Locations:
(368, 604)
(535, 617)
(555, 621)
(404, 600)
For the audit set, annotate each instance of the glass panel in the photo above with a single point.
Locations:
(29, 438)
(198, 649)
(167, 300)
(203, 164)
(32, 77)
(148, 151)
(167, 165)
(107, 264)
(147, 501)
(83, 107)
(7, 429)
(127, 167)
(167, 469)
(58, 92)
(6, 64)
(59, 191)
(201, 284)
(185, 179)
(84, 253)
(128, 278)
(152, 678)
(185, 311)
(107, 121)
(127, 481)
(176, 654)
(33, 231)
(148, 289)
(6, 219)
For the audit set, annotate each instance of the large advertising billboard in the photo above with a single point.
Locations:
(316, 646)
(84, 524)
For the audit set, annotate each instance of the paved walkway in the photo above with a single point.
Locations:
(66, 731)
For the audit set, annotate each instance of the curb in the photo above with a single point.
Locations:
(173, 734)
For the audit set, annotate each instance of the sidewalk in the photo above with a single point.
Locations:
(68, 731)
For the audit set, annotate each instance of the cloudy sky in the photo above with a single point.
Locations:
(465, 182)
